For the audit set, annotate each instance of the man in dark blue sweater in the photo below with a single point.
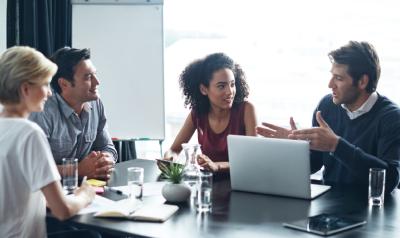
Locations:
(354, 127)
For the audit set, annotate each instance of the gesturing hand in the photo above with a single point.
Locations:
(321, 138)
(273, 131)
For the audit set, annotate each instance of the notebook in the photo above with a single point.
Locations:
(272, 166)
(135, 210)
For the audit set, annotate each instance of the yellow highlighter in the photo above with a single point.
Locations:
(96, 182)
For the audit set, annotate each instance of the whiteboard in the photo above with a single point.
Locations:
(127, 47)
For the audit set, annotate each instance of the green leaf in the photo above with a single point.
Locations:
(173, 172)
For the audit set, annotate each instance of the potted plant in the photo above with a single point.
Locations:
(175, 191)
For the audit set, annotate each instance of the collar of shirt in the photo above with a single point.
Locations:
(66, 109)
(366, 107)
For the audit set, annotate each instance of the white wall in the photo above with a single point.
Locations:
(3, 15)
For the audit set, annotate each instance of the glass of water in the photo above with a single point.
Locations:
(376, 189)
(69, 173)
(135, 182)
(192, 169)
(204, 192)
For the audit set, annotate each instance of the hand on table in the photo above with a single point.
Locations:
(86, 191)
(207, 163)
(97, 165)
(170, 155)
(104, 165)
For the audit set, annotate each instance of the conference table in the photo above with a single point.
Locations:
(241, 214)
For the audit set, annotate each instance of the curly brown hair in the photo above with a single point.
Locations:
(201, 71)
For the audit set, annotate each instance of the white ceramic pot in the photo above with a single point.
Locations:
(175, 192)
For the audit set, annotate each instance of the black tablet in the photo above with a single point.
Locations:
(325, 224)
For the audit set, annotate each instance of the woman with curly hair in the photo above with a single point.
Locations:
(215, 89)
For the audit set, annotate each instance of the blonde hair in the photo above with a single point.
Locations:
(20, 64)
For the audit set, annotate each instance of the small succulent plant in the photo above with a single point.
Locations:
(173, 172)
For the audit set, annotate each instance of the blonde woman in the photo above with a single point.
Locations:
(28, 173)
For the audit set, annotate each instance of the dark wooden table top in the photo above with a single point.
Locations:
(240, 214)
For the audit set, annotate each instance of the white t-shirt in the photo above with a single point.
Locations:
(26, 166)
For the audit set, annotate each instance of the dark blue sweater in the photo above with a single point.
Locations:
(371, 140)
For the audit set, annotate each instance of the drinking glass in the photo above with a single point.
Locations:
(376, 188)
(69, 173)
(204, 192)
(135, 182)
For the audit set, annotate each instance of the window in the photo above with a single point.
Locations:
(282, 47)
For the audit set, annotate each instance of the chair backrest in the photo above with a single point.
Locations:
(126, 149)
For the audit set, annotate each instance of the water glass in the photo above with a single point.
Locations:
(135, 182)
(69, 173)
(204, 192)
(376, 189)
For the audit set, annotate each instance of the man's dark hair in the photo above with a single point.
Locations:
(361, 59)
(66, 59)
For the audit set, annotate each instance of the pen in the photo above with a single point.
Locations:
(113, 190)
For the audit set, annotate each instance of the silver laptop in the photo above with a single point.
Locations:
(272, 166)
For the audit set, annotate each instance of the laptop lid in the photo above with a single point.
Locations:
(270, 166)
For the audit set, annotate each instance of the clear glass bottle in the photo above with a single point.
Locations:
(192, 169)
